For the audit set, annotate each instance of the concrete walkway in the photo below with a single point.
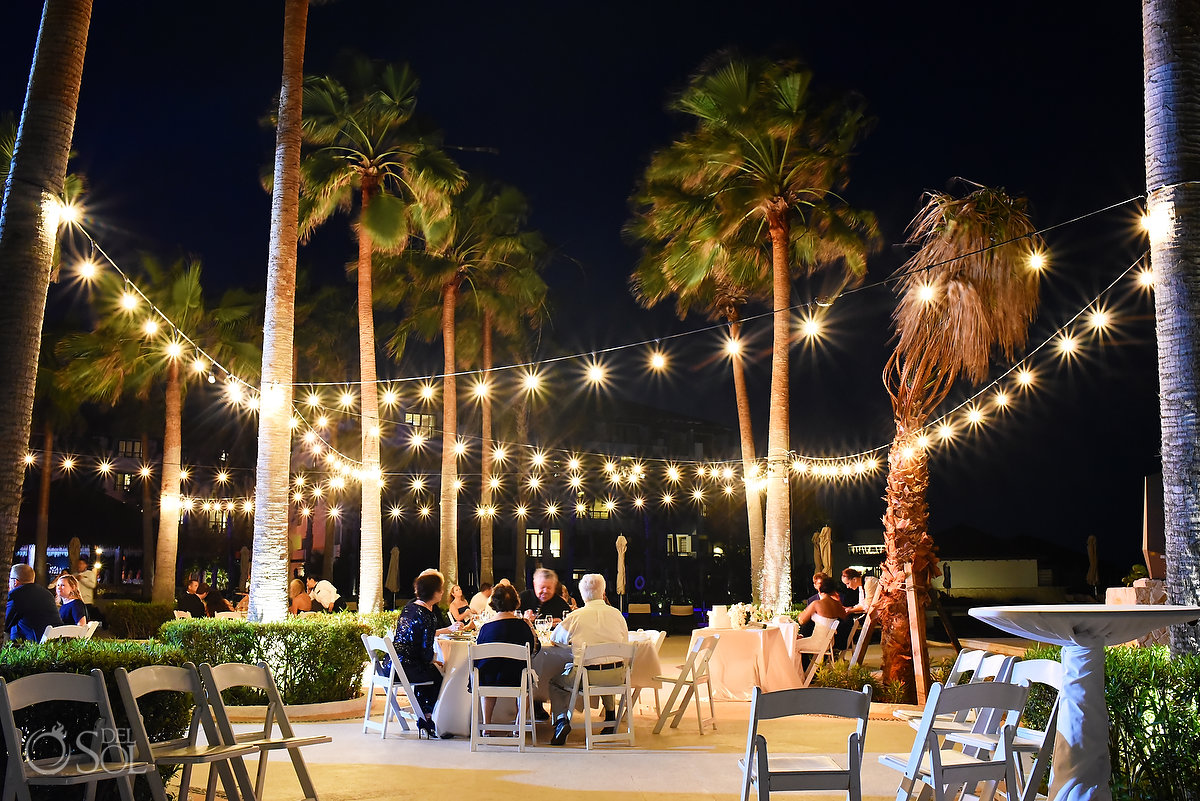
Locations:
(676, 764)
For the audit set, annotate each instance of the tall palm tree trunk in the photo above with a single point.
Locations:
(448, 554)
(906, 535)
(1171, 33)
(28, 232)
(168, 495)
(269, 577)
(42, 536)
(486, 521)
(777, 551)
(370, 550)
(746, 431)
(147, 526)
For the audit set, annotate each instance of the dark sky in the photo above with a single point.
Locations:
(1043, 99)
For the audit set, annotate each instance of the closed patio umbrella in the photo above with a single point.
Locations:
(392, 582)
(244, 564)
(622, 545)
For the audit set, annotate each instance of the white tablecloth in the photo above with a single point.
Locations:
(452, 714)
(1081, 768)
(749, 658)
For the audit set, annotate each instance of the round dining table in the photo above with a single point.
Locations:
(1082, 768)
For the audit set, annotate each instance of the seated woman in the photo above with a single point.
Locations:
(444, 624)
(300, 600)
(825, 611)
(73, 612)
(505, 626)
(460, 607)
(416, 629)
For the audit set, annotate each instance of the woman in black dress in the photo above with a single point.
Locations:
(460, 607)
(416, 629)
(506, 626)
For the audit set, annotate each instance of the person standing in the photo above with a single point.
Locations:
(86, 577)
(31, 607)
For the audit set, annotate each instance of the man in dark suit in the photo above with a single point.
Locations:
(31, 607)
(191, 602)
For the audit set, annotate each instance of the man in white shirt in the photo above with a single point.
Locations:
(87, 582)
(594, 623)
(479, 601)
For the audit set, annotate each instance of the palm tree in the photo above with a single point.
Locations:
(269, 578)
(366, 148)
(480, 244)
(1172, 119)
(125, 354)
(967, 291)
(769, 160)
(28, 234)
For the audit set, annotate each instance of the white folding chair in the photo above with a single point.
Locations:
(44, 758)
(967, 661)
(228, 615)
(819, 647)
(594, 656)
(393, 682)
(993, 667)
(235, 674)
(522, 694)
(182, 615)
(1037, 742)
(68, 632)
(766, 772)
(693, 673)
(187, 750)
(939, 767)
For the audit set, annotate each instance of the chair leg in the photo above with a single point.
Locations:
(301, 769)
(666, 711)
(367, 711)
(712, 710)
(261, 780)
(687, 697)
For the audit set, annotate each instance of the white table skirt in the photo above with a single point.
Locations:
(749, 658)
(452, 713)
(1081, 768)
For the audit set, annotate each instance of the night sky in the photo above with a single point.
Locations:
(1044, 99)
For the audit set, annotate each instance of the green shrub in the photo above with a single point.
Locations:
(846, 676)
(166, 715)
(1154, 721)
(135, 620)
(314, 659)
(382, 624)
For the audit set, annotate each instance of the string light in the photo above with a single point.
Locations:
(658, 360)
(733, 347)
(1037, 261)
(150, 327)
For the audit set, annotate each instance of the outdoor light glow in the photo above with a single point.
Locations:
(733, 346)
(945, 431)
(728, 489)
(531, 381)
(668, 499)
(253, 402)
(538, 459)
(69, 213)
(346, 400)
(294, 423)
(185, 474)
(580, 508)
(30, 458)
(374, 431)
(1037, 260)
(810, 328)
(535, 482)
(335, 512)
(1159, 222)
(174, 350)
(923, 441)
(418, 439)
(727, 473)
(595, 373)
(87, 269)
(1099, 319)
(144, 471)
(105, 467)
(150, 327)
(908, 453)
(974, 417)
(68, 464)
(313, 399)
(458, 484)
(658, 361)
(697, 494)
(673, 474)
(573, 463)
(222, 477)
(426, 511)
(390, 397)
(639, 501)
(494, 483)
(427, 391)
(609, 505)
(925, 293)
(337, 482)
(481, 389)
(234, 391)
(1001, 399)
(129, 301)
(297, 496)
(300, 480)
(1067, 345)
(610, 466)
(798, 466)
(317, 491)
(199, 366)
(576, 482)
(521, 511)
(309, 437)
(1024, 378)
(418, 484)
(460, 448)
(305, 511)
(1145, 278)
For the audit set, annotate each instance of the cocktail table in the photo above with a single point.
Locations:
(1082, 768)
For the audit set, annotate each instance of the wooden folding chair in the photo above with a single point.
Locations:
(224, 760)
(393, 682)
(220, 678)
(693, 673)
(766, 772)
(45, 758)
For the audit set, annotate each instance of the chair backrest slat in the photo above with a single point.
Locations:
(812, 701)
(607, 652)
(967, 661)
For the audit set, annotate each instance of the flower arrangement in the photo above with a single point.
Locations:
(740, 615)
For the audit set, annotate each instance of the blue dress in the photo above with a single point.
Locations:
(505, 672)
(416, 629)
(72, 612)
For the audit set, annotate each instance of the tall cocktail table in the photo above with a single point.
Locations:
(1082, 768)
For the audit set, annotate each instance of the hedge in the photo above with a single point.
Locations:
(313, 659)
(166, 715)
(135, 620)
(1154, 713)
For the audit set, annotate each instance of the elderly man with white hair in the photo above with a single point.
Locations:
(594, 623)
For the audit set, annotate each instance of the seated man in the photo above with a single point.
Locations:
(190, 602)
(31, 607)
(594, 623)
(544, 598)
(479, 601)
